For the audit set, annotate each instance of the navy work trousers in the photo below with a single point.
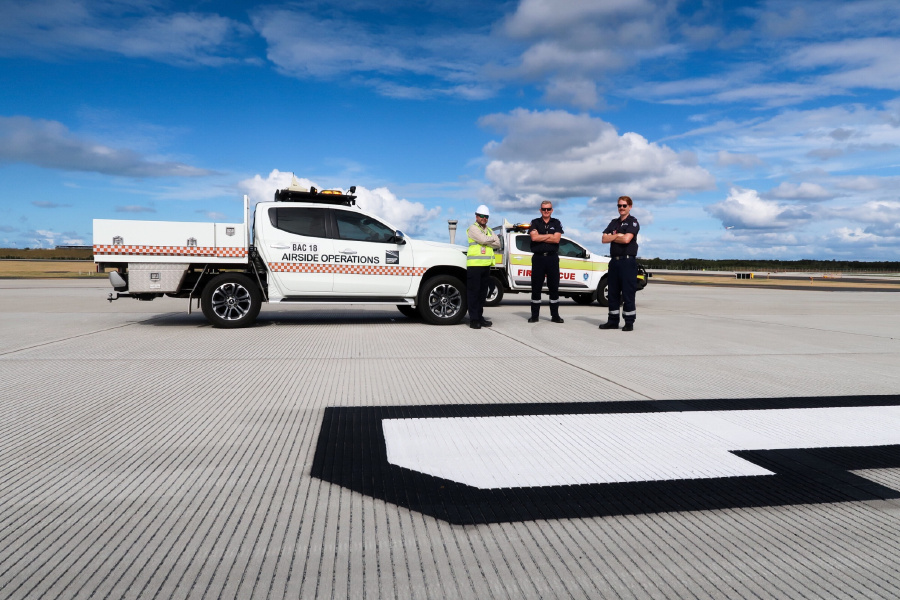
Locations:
(545, 266)
(622, 288)
(477, 280)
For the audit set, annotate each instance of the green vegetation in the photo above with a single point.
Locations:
(773, 266)
(48, 254)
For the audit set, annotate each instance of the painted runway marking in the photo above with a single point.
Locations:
(478, 463)
(547, 450)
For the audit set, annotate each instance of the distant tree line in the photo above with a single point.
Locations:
(772, 266)
(47, 253)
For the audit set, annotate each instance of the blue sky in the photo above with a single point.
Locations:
(768, 129)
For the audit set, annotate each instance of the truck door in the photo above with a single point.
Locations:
(369, 260)
(519, 264)
(296, 248)
(575, 268)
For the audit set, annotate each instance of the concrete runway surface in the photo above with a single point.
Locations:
(738, 444)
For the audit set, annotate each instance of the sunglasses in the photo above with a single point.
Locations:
(481, 216)
(546, 210)
(622, 205)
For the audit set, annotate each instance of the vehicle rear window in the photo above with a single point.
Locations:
(308, 222)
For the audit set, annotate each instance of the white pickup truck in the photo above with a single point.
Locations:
(582, 274)
(305, 247)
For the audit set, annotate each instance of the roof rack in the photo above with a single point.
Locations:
(314, 195)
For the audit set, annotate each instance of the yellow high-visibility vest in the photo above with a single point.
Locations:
(479, 255)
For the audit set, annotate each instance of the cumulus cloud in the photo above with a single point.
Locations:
(46, 28)
(410, 217)
(51, 145)
(557, 154)
(744, 209)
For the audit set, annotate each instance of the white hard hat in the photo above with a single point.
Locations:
(483, 210)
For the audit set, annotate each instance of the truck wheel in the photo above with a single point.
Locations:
(230, 301)
(495, 292)
(583, 299)
(409, 311)
(603, 292)
(442, 300)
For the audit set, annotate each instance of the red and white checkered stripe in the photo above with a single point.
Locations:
(346, 269)
(231, 252)
(169, 251)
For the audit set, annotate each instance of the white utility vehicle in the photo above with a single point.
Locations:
(306, 247)
(582, 275)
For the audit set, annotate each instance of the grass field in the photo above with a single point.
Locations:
(44, 269)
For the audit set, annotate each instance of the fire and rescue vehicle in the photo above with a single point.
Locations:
(582, 274)
(306, 246)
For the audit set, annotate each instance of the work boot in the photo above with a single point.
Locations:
(475, 324)
(628, 327)
(486, 323)
(533, 319)
(609, 325)
(557, 319)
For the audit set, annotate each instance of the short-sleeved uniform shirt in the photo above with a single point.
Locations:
(627, 225)
(551, 226)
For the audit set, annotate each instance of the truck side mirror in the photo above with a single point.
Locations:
(587, 253)
(398, 238)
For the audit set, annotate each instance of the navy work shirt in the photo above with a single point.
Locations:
(628, 225)
(552, 226)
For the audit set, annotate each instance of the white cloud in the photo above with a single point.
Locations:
(398, 62)
(51, 145)
(135, 208)
(574, 44)
(746, 161)
(48, 28)
(557, 154)
(800, 191)
(410, 217)
(744, 209)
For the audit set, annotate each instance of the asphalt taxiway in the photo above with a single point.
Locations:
(744, 439)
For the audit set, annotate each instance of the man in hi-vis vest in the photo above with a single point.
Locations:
(479, 260)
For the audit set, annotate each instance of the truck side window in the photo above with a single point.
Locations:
(361, 228)
(308, 222)
(570, 248)
(523, 243)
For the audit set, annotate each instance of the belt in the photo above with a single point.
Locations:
(621, 257)
(545, 253)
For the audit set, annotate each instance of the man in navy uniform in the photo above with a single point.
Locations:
(545, 232)
(621, 235)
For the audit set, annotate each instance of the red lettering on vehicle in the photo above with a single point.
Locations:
(570, 276)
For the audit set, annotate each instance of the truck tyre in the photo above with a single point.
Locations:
(409, 311)
(442, 300)
(603, 292)
(231, 300)
(583, 299)
(495, 292)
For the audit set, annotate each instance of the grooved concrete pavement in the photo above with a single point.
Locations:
(145, 454)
